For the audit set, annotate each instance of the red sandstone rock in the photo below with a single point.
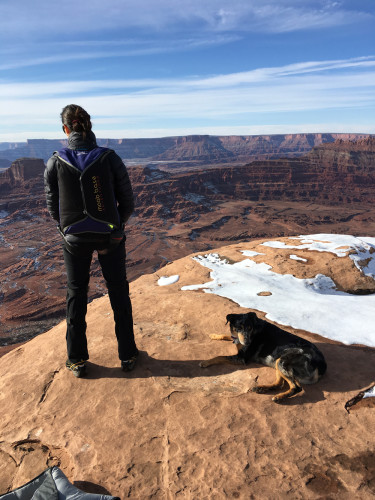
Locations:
(172, 430)
(21, 171)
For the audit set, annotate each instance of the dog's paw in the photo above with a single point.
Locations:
(277, 399)
(215, 336)
(203, 364)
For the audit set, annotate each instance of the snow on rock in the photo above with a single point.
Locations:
(194, 198)
(168, 280)
(295, 257)
(370, 393)
(312, 304)
(250, 253)
(361, 248)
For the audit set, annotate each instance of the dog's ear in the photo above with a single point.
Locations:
(253, 323)
(230, 318)
(250, 318)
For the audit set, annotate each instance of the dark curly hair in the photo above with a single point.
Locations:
(76, 119)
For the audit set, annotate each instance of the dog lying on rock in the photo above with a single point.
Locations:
(296, 360)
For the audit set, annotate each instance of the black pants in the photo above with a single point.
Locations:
(78, 275)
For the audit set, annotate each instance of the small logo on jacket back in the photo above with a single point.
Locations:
(98, 193)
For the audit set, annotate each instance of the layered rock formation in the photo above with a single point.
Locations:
(196, 149)
(206, 149)
(273, 146)
(173, 430)
(21, 171)
(342, 172)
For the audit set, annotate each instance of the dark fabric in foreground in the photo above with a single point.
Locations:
(52, 484)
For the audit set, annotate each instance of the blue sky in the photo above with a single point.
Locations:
(154, 68)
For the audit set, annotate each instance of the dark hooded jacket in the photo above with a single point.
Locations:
(87, 187)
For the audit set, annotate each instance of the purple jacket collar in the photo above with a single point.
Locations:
(81, 159)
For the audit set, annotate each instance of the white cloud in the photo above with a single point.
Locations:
(88, 50)
(199, 104)
(136, 104)
(310, 75)
(41, 16)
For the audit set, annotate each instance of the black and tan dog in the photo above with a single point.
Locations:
(297, 361)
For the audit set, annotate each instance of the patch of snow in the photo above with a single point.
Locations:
(307, 304)
(3, 214)
(211, 187)
(168, 280)
(363, 248)
(157, 174)
(370, 393)
(295, 257)
(4, 243)
(33, 254)
(250, 253)
(193, 197)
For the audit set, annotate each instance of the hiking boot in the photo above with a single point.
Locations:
(78, 369)
(129, 364)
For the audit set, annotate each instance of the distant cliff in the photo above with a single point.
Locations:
(275, 146)
(196, 148)
(202, 148)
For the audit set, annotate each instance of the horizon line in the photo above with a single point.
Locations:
(191, 135)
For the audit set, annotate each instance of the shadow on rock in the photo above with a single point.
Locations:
(148, 366)
(349, 369)
(89, 487)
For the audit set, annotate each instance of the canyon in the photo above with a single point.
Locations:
(183, 207)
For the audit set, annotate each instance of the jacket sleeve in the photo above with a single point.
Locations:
(51, 188)
(122, 187)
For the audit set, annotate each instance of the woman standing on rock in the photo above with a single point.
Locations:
(89, 195)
